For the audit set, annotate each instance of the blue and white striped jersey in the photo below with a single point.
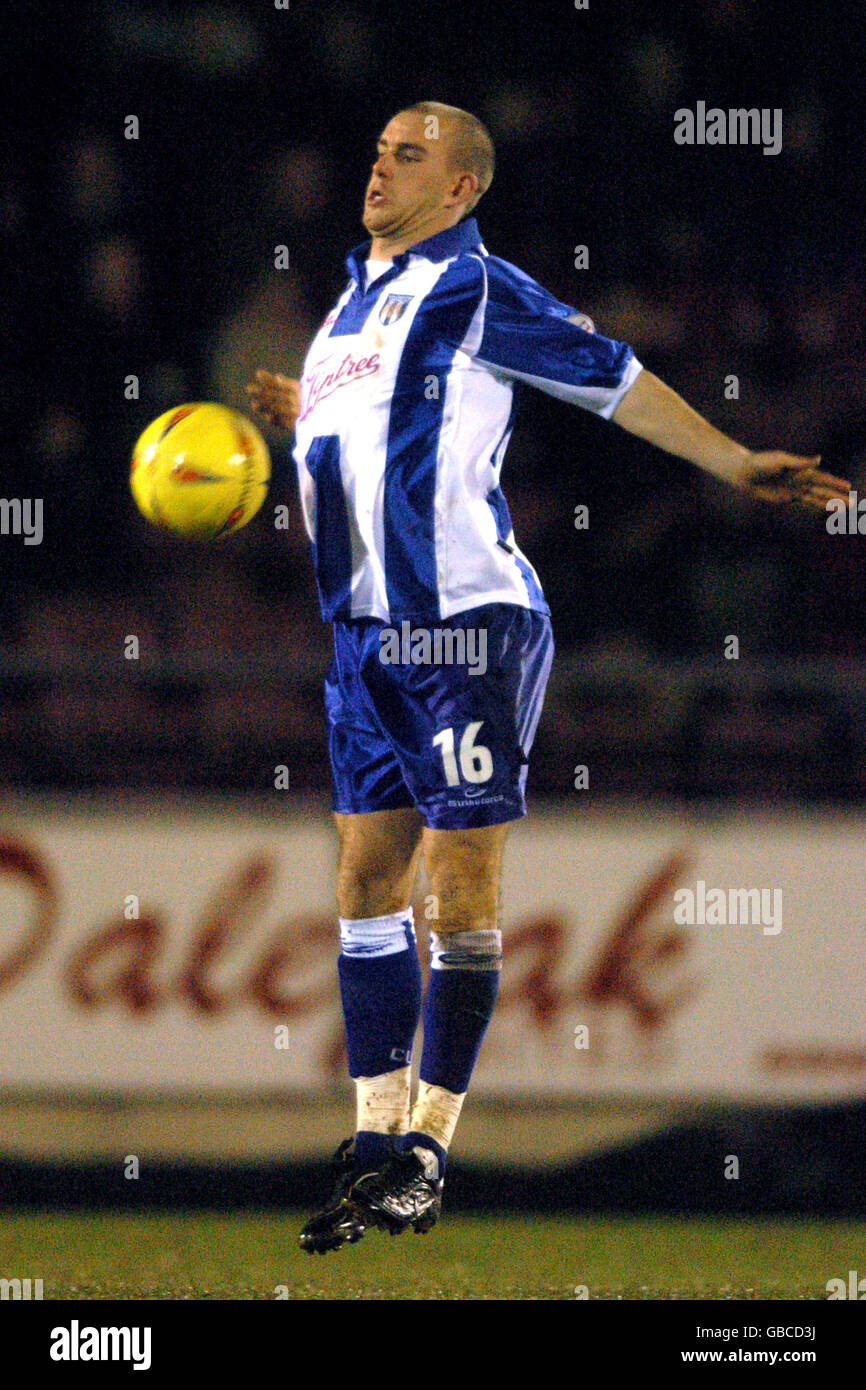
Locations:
(407, 407)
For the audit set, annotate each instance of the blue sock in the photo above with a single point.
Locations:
(380, 990)
(375, 1149)
(464, 982)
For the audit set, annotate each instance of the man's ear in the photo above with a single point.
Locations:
(460, 189)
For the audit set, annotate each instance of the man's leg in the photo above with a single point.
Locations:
(380, 977)
(463, 867)
(380, 989)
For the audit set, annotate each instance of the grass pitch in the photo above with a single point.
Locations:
(256, 1256)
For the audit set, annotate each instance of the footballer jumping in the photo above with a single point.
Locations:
(402, 417)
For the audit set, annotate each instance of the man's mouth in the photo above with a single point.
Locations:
(375, 197)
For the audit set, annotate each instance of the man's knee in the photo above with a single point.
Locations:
(463, 870)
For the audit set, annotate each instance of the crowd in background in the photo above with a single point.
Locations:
(152, 258)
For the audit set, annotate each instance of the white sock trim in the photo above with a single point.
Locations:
(377, 936)
(436, 1112)
(382, 1102)
(466, 950)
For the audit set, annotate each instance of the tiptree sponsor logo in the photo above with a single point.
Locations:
(317, 384)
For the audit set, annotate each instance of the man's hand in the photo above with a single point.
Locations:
(778, 477)
(276, 397)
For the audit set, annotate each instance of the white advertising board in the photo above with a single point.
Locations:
(168, 950)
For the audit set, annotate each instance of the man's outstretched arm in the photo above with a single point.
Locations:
(654, 412)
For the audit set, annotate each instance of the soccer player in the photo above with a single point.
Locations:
(442, 638)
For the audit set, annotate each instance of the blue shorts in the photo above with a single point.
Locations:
(441, 718)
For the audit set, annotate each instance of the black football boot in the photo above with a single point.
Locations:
(339, 1222)
(403, 1193)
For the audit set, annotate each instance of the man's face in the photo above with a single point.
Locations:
(411, 182)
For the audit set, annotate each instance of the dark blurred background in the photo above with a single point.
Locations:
(154, 257)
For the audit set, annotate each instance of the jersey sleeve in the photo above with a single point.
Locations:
(527, 334)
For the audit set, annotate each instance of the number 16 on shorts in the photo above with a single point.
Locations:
(475, 761)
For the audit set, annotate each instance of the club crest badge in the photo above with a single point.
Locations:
(393, 307)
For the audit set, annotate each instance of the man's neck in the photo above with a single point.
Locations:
(386, 248)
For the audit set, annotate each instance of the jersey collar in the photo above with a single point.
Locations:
(441, 247)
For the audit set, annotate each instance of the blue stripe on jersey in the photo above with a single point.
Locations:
(357, 309)
(332, 547)
(504, 528)
(499, 507)
(533, 588)
(438, 328)
(496, 497)
(499, 452)
(526, 329)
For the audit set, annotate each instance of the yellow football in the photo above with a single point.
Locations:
(200, 470)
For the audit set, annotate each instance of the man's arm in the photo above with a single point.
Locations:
(654, 412)
(529, 335)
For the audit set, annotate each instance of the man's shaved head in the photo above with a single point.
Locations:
(469, 144)
(433, 162)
